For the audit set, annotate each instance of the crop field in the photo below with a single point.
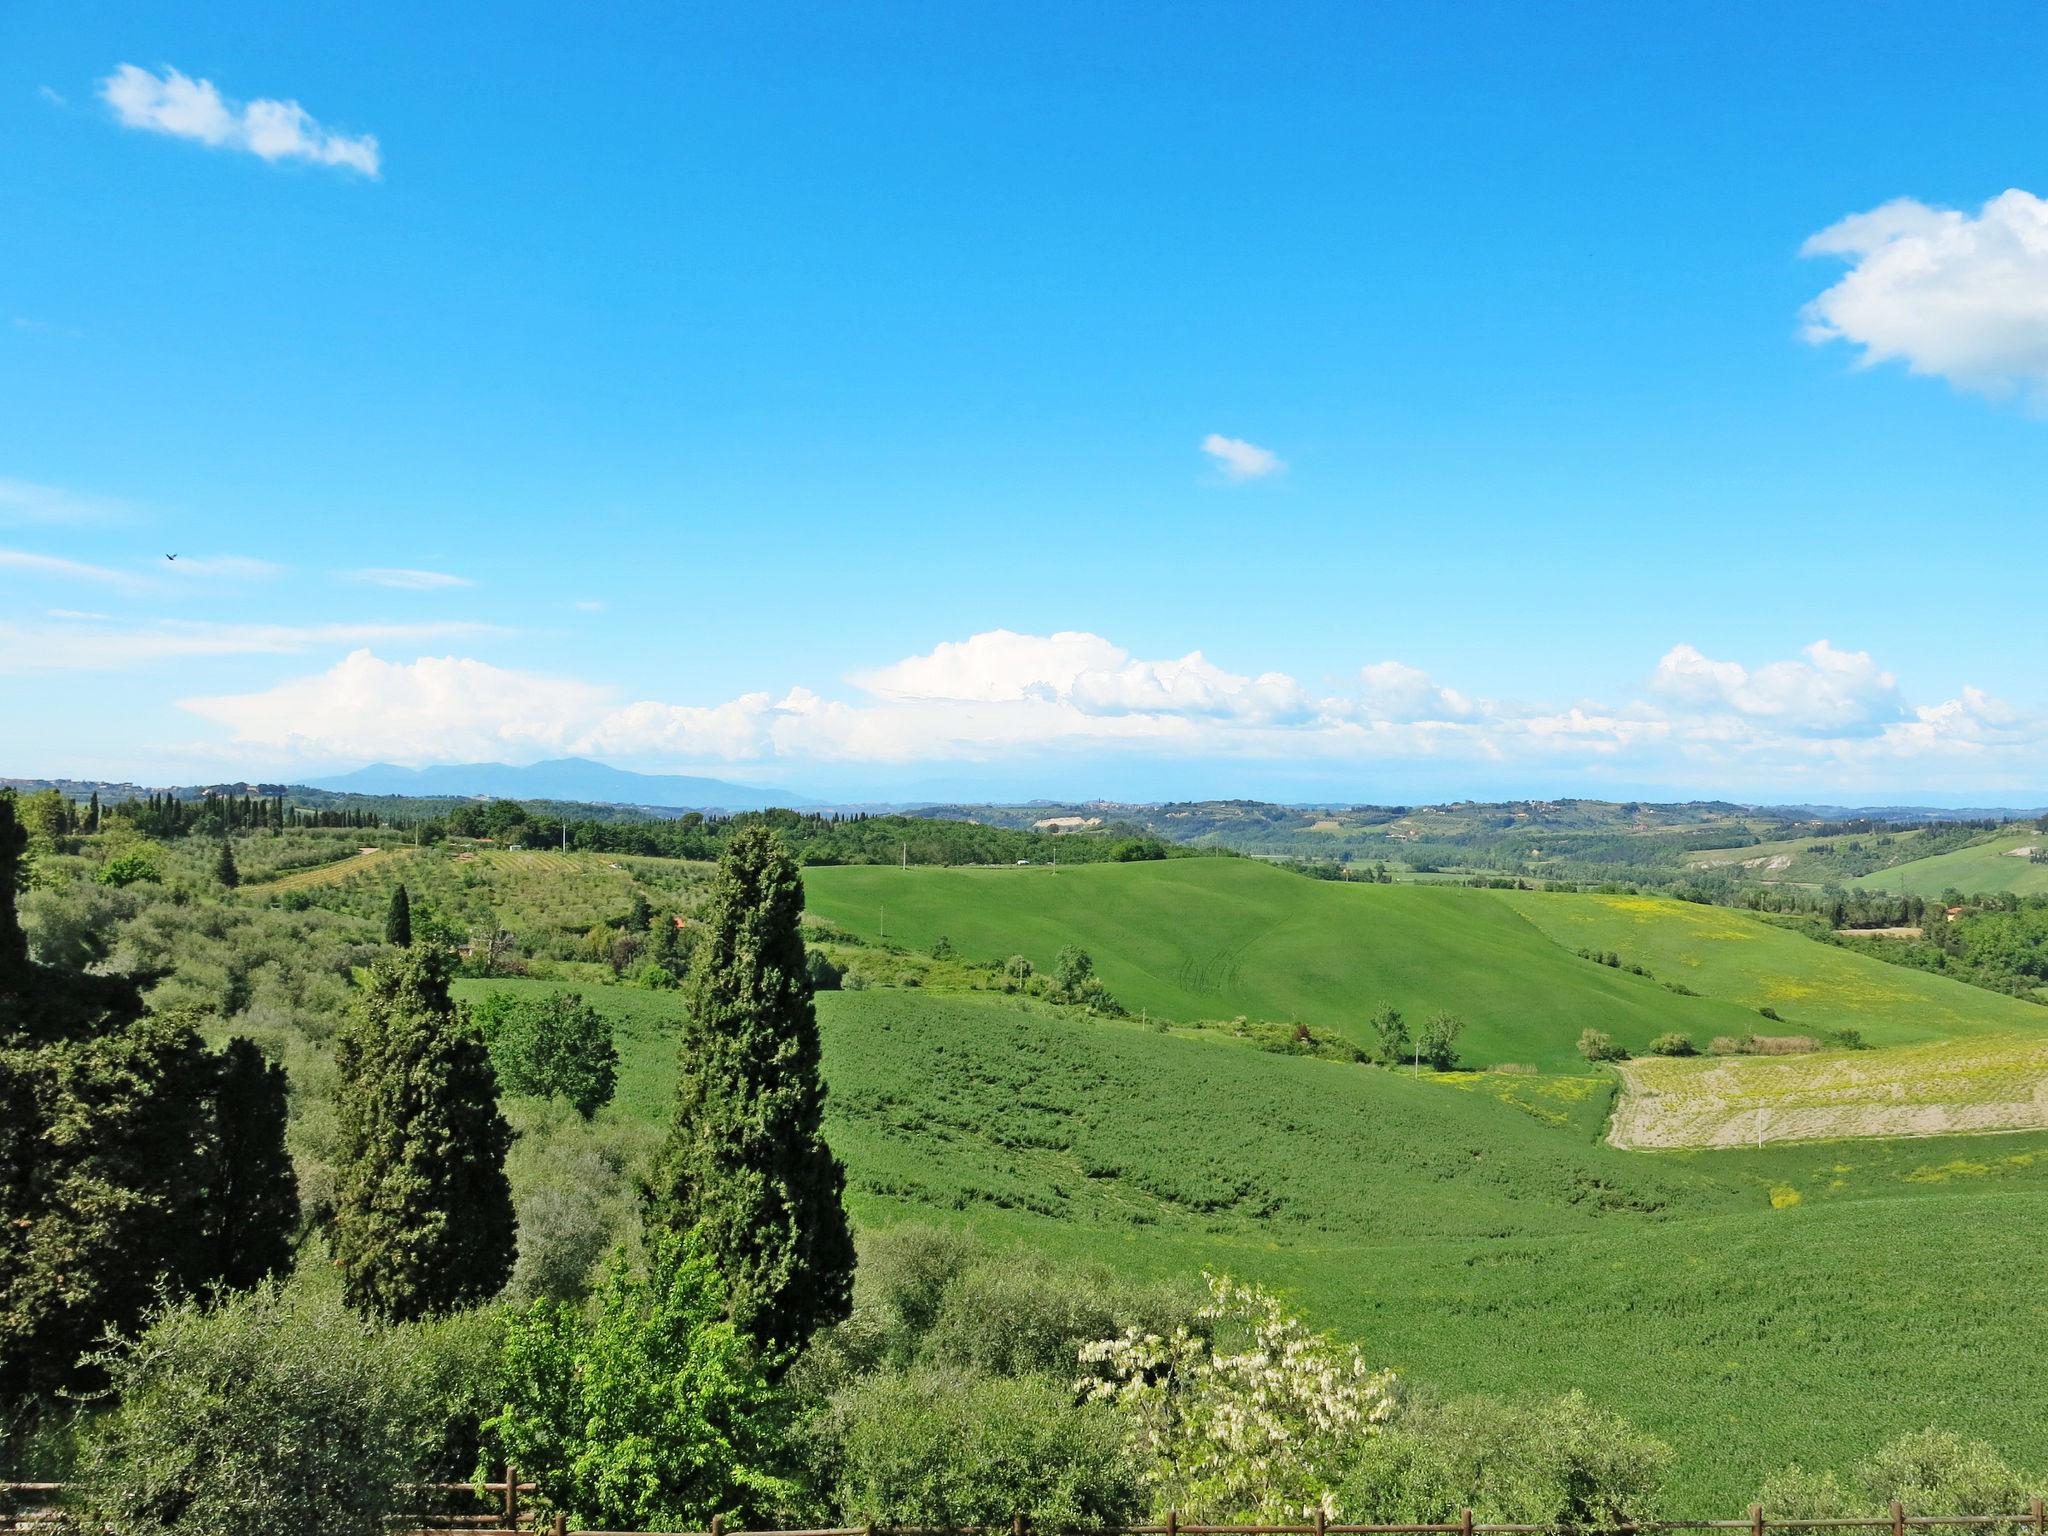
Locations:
(383, 861)
(1984, 1083)
(1200, 938)
(1731, 955)
(1799, 1302)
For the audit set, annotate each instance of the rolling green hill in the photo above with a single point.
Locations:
(1198, 939)
(1752, 1306)
(1733, 955)
(1983, 867)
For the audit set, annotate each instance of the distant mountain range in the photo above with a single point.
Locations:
(562, 778)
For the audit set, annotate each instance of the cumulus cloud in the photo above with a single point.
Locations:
(1003, 696)
(1960, 296)
(1240, 460)
(175, 104)
(1827, 690)
(404, 579)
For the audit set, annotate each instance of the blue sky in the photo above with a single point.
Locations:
(819, 395)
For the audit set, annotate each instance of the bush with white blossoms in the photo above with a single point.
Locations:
(1251, 1425)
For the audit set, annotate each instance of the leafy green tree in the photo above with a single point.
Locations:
(640, 915)
(1598, 1045)
(1438, 1043)
(130, 869)
(116, 1182)
(556, 1046)
(745, 1161)
(254, 1210)
(1390, 1030)
(423, 1214)
(1072, 969)
(398, 919)
(225, 870)
(651, 1414)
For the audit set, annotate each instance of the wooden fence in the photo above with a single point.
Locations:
(501, 1509)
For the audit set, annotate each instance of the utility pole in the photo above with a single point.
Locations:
(884, 921)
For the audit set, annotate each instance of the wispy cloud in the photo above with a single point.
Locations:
(1240, 460)
(54, 98)
(589, 605)
(80, 647)
(1947, 293)
(231, 567)
(173, 103)
(406, 580)
(23, 501)
(73, 570)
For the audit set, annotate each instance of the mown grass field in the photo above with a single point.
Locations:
(1731, 955)
(1214, 938)
(1980, 868)
(1801, 1302)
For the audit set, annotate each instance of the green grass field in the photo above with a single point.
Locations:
(1801, 1302)
(1201, 938)
(1732, 955)
(1980, 868)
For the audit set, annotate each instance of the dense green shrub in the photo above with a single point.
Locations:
(1563, 1463)
(927, 1447)
(650, 1413)
(275, 1411)
(1674, 1044)
(1598, 1045)
(1929, 1472)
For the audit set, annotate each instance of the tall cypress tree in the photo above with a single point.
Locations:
(254, 1209)
(398, 919)
(225, 870)
(423, 1220)
(745, 1163)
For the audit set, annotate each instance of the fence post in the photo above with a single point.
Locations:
(1322, 1518)
(1017, 1524)
(2040, 1513)
(511, 1497)
(1898, 1518)
(1756, 1520)
(718, 1525)
(561, 1524)
(1173, 1522)
(1465, 1522)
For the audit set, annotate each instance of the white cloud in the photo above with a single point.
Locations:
(1240, 460)
(1830, 690)
(1004, 696)
(71, 647)
(232, 567)
(1961, 297)
(54, 98)
(74, 570)
(185, 108)
(589, 605)
(406, 580)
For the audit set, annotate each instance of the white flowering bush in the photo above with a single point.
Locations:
(1254, 1423)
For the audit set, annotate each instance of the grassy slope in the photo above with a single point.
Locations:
(1472, 1245)
(1213, 938)
(1980, 868)
(1733, 955)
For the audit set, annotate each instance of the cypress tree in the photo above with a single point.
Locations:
(745, 1164)
(254, 1206)
(398, 920)
(423, 1219)
(225, 869)
(93, 816)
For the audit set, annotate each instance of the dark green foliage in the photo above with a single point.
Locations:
(423, 1219)
(746, 1162)
(1674, 1044)
(1598, 1045)
(556, 1046)
(117, 1175)
(651, 1412)
(225, 869)
(398, 920)
(253, 1211)
(825, 976)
